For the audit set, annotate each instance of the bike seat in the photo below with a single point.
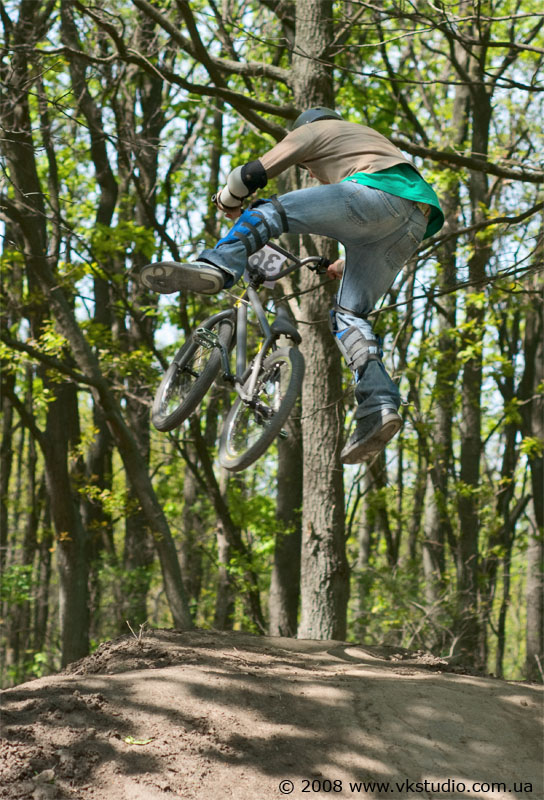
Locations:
(282, 325)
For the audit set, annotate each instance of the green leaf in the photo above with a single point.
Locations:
(132, 740)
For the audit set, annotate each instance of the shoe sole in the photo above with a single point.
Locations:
(167, 277)
(373, 444)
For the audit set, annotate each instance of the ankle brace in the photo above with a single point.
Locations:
(356, 348)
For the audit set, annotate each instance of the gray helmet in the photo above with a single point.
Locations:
(313, 114)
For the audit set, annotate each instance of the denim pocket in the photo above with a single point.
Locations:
(399, 252)
(395, 205)
(366, 205)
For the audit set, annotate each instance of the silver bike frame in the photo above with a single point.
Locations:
(251, 298)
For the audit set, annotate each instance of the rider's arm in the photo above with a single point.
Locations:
(241, 182)
(297, 148)
(245, 180)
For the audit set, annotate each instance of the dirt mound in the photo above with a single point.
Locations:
(209, 715)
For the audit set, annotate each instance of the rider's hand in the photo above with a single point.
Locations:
(233, 213)
(336, 269)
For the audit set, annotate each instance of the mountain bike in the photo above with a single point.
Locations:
(266, 388)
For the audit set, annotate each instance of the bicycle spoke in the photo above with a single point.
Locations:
(251, 426)
(190, 376)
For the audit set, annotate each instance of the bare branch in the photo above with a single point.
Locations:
(252, 68)
(470, 162)
(48, 361)
(246, 105)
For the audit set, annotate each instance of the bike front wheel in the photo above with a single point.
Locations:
(252, 425)
(190, 375)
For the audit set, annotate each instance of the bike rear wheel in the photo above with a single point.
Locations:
(251, 426)
(190, 375)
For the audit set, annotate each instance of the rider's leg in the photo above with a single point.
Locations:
(370, 268)
(377, 396)
(353, 214)
(362, 351)
(380, 229)
(225, 264)
(263, 220)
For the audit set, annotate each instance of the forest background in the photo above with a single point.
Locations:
(119, 121)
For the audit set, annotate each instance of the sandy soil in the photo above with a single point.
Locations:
(202, 714)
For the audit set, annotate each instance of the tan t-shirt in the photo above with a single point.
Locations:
(333, 150)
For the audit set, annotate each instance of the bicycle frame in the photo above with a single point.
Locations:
(239, 316)
(261, 407)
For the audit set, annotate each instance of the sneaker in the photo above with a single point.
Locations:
(166, 277)
(370, 436)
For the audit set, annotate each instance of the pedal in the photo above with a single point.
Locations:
(206, 337)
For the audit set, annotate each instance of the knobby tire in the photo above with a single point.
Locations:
(188, 378)
(248, 432)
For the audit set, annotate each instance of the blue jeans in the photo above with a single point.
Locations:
(379, 232)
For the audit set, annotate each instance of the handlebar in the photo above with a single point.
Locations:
(317, 264)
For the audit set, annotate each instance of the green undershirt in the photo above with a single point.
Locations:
(402, 180)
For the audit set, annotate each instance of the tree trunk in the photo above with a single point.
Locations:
(324, 568)
(97, 521)
(138, 558)
(533, 429)
(190, 547)
(366, 541)
(468, 624)
(6, 459)
(285, 581)
(224, 597)
(72, 540)
(433, 548)
(534, 658)
(41, 603)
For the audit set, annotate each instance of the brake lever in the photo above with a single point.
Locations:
(320, 267)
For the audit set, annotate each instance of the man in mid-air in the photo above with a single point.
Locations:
(372, 200)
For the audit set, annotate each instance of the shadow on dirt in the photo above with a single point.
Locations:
(179, 714)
